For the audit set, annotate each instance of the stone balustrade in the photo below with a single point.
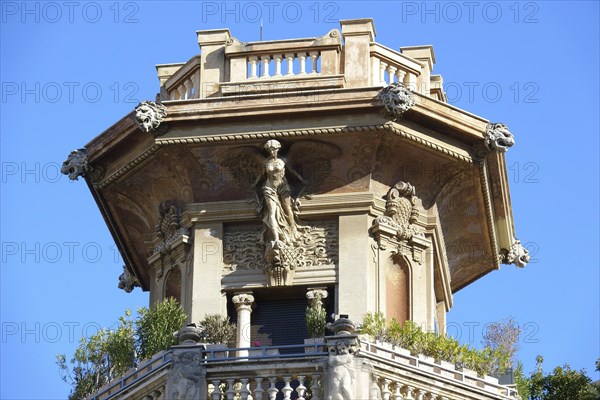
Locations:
(382, 370)
(389, 66)
(348, 59)
(414, 382)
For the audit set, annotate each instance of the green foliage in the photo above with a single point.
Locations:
(155, 327)
(217, 329)
(563, 383)
(110, 353)
(316, 318)
(410, 336)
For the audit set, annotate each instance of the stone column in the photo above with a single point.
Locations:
(243, 305)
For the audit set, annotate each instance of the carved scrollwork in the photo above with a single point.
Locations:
(396, 100)
(398, 224)
(128, 281)
(169, 228)
(317, 245)
(184, 378)
(149, 115)
(517, 255)
(401, 211)
(498, 137)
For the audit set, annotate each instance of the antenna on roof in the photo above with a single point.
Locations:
(260, 40)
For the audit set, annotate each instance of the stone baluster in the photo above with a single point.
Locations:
(409, 393)
(420, 394)
(216, 393)
(253, 60)
(398, 392)
(302, 58)
(301, 389)
(272, 389)
(400, 75)
(243, 305)
(391, 70)
(382, 67)
(245, 389)
(315, 388)
(375, 71)
(181, 92)
(290, 63)
(188, 88)
(410, 81)
(277, 58)
(287, 389)
(314, 56)
(258, 391)
(265, 60)
(230, 390)
(385, 391)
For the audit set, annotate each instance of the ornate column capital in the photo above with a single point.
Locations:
(243, 301)
(316, 295)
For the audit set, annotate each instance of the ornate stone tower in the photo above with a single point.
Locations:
(268, 173)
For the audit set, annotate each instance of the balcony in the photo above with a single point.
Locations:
(346, 59)
(377, 371)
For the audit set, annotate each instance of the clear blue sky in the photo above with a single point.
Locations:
(69, 70)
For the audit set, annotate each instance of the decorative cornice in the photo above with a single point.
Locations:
(489, 211)
(389, 126)
(498, 137)
(128, 167)
(396, 100)
(517, 255)
(149, 115)
(397, 129)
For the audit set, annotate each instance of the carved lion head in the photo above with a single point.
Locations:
(498, 137)
(149, 115)
(76, 164)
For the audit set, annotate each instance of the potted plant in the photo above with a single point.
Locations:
(217, 332)
(316, 321)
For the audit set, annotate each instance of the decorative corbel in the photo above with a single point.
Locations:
(517, 255)
(498, 138)
(396, 100)
(398, 224)
(77, 164)
(149, 116)
(128, 281)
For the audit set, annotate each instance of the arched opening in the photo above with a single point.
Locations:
(398, 290)
(173, 285)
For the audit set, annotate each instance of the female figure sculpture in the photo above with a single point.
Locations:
(276, 206)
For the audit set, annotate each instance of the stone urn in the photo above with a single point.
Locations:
(343, 326)
(189, 334)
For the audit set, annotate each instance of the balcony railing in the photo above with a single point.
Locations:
(228, 66)
(300, 371)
